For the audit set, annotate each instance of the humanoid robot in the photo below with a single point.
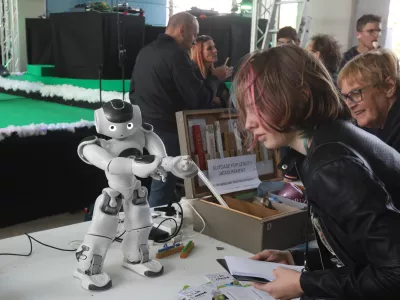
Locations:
(122, 159)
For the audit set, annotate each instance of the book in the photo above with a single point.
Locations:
(202, 124)
(218, 139)
(247, 268)
(210, 137)
(198, 146)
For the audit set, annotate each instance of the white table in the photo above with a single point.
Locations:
(47, 273)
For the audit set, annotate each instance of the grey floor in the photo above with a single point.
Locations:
(41, 224)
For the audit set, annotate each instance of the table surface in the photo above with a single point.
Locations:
(47, 273)
(19, 111)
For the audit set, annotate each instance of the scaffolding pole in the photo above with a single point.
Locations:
(270, 10)
(9, 35)
(261, 10)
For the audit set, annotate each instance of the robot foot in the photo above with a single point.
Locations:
(151, 268)
(98, 282)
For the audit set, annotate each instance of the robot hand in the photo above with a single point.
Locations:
(159, 174)
(181, 166)
(149, 166)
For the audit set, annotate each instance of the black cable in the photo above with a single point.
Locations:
(121, 51)
(117, 239)
(177, 229)
(31, 247)
(100, 67)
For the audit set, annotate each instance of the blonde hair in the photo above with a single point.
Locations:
(373, 67)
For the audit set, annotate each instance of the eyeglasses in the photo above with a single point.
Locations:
(374, 31)
(281, 43)
(356, 95)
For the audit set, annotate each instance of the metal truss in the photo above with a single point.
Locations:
(9, 35)
(269, 10)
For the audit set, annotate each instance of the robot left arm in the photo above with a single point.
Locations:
(96, 155)
(154, 144)
(181, 166)
(101, 158)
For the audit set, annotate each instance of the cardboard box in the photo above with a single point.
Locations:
(246, 224)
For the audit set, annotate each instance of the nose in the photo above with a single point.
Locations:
(251, 122)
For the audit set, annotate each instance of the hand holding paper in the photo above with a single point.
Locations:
(276, 256)
(285, 286)
(242, 266)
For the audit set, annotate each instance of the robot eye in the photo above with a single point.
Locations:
(113, 127)
(129, 125)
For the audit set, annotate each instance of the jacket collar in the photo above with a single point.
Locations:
(393, 116)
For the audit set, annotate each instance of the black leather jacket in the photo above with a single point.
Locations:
(352, 182)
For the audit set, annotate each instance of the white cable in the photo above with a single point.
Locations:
(201, 218)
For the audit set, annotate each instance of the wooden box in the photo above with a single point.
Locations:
(246, 224)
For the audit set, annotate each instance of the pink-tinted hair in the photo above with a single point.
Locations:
(288, 89)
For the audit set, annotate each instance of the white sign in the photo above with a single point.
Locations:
(233, 174)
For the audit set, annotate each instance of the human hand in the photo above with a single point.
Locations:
(222, 72)
(216, 101)
(286, 285)
(276, 256)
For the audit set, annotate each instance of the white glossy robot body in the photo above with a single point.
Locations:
(122, 159)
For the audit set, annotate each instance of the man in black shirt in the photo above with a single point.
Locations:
(164, 82)
(368, 32)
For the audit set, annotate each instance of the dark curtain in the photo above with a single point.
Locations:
(78, 44)
(151, 33)
(39, 41)
(43, 176)
(84, 41)
(132, 30)
(231, 34)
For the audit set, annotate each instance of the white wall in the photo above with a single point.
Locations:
(333, 17)
(27, 9)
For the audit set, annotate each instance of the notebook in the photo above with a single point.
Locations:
(245, 269)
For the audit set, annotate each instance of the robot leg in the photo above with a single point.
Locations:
(101, 233)
(138, 225)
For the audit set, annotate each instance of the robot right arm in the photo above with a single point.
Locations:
(92, 152)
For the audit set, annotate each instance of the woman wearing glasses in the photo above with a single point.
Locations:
(351, 179)
(204, 55)
(370, 85)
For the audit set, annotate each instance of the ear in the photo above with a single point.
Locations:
(181, 29)
(358, 35)
(390, 87)
(317, 54)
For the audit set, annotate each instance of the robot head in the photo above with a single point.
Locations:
(118, 119)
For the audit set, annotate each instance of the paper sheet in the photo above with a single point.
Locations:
(243, 266)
